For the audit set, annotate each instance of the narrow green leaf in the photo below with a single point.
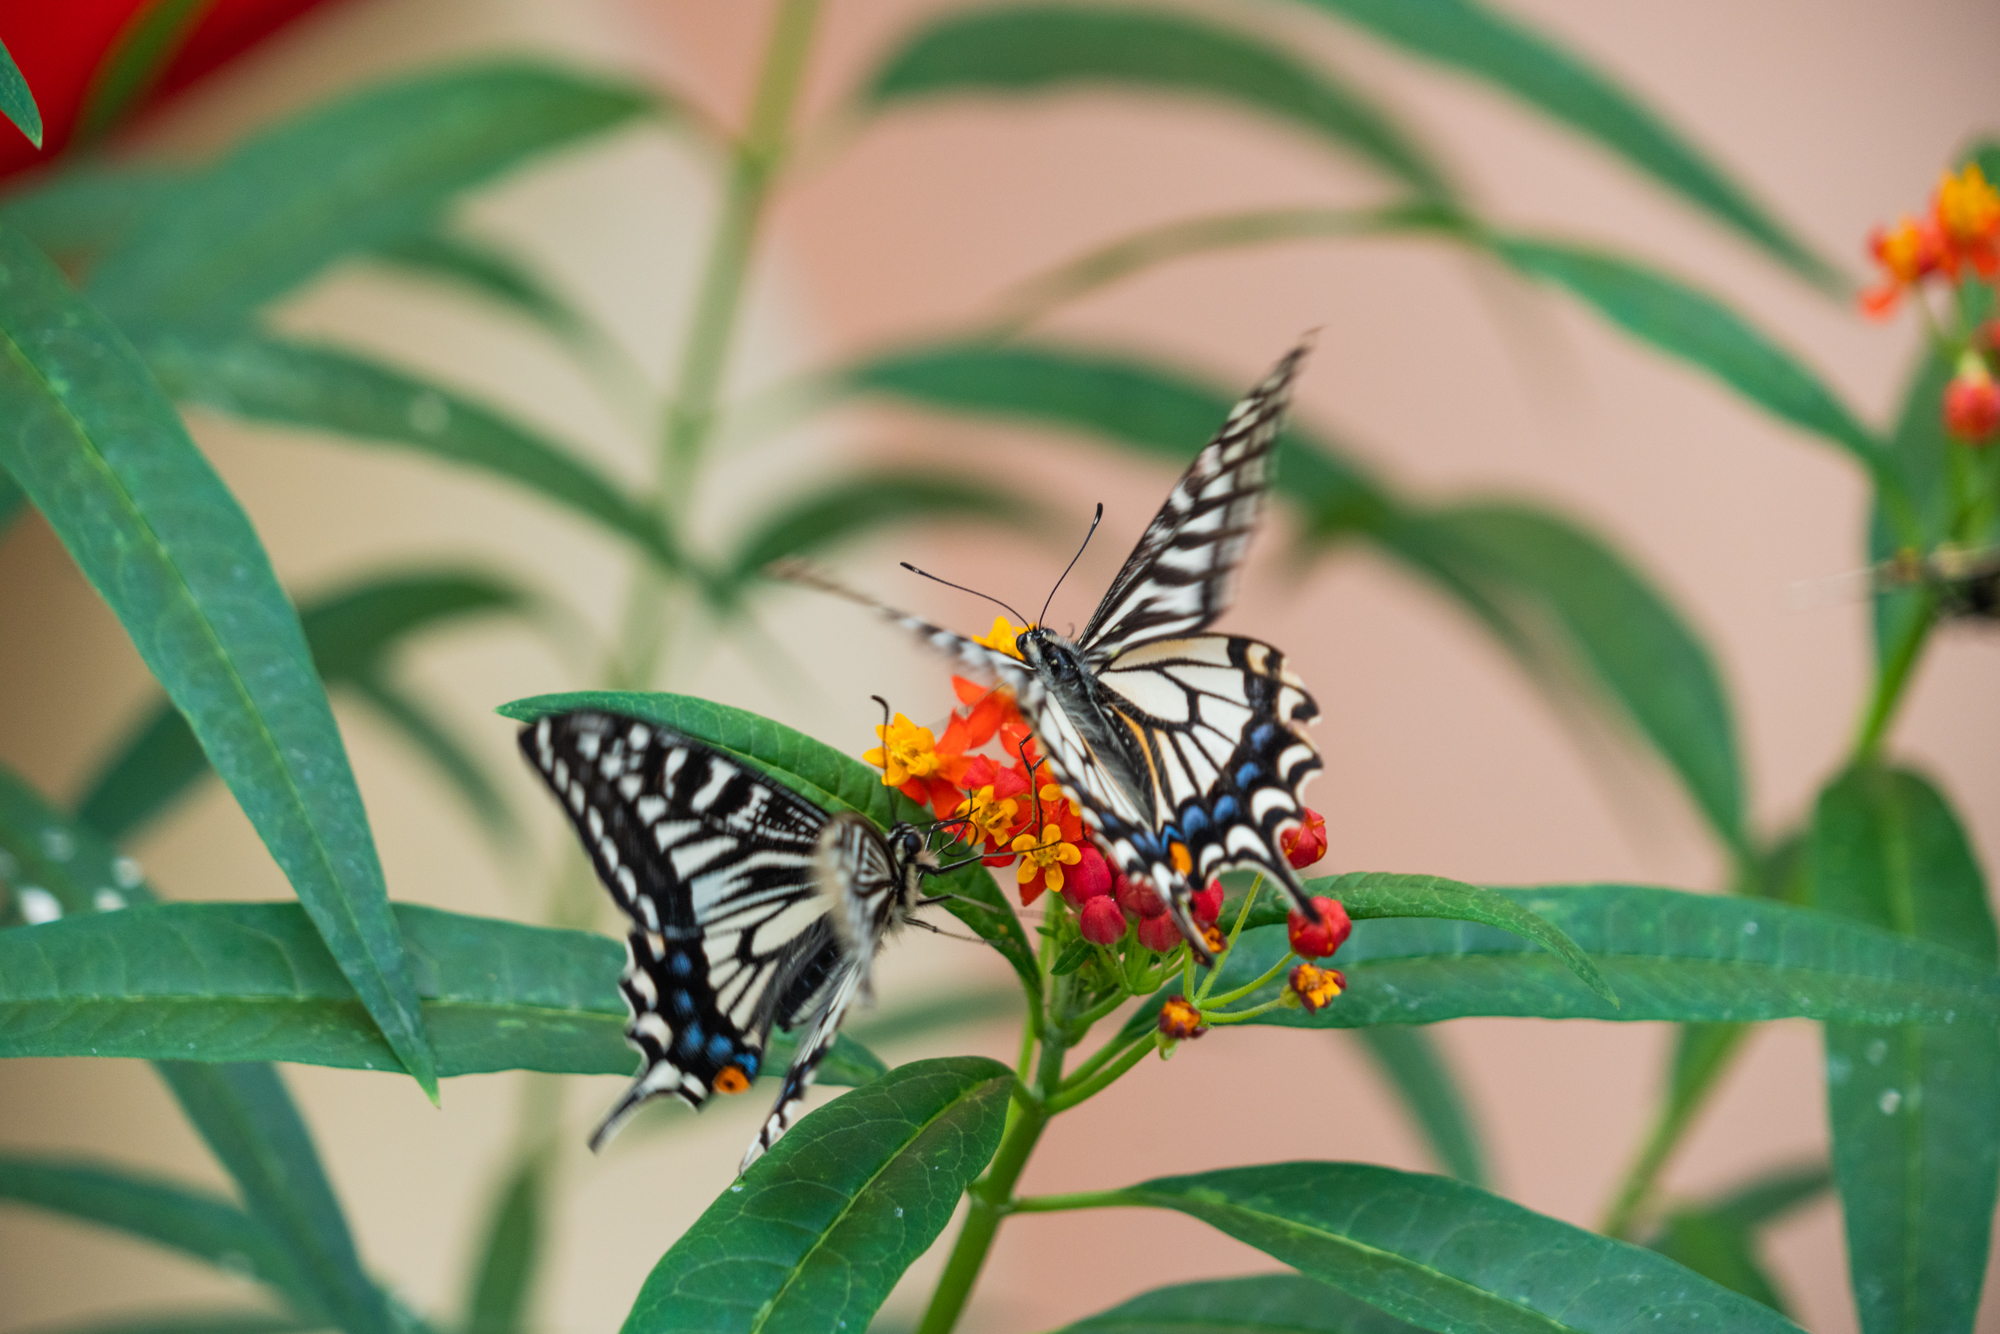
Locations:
(1488, 45)
(434, 740)
(1025, 49)
(822, 775)
(263, 378)
(819, 1229)
(139, 54)
(78, 210)
(861, 504)
(253, 982)
(1773, 1195)
(1919, 451)
(1372, 894)
(503, 1279)
(1422, 1079)
(51, 866)
(254, 1130)
(205, 1226)
(485, 269)
(1261, 1304)
(936, 1014)
(196, 1322)
(344, 179)
(17, 103)
(13, 502)
(1640, 649)
(1718, 1238)
(1915, 1110)
(1671, 956)
(351, 632)
(158, 535)
(1447, 1255)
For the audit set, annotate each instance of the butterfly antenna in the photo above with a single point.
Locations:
(1072, 561)
(963, 589)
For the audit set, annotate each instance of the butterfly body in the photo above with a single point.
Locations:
(750, 907)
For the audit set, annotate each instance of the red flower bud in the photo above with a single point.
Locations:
(1305, 842)
(1137, 896)
(1179, 1020)
(1090, 878)
(1102, 921)
(1317, 939)
(1159, 934)
(1315, 987)
(1972, 402)
(1207, 903)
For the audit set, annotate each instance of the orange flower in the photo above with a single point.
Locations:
(907, 751)
(1907, 253)
(1179, 1020)
(1967, 212)
(1042, 861)
(1316, 987)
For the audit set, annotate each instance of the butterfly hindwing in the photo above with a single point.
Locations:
(744, 900)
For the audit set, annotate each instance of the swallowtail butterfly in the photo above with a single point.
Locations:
(750, 906)
(1186, 751)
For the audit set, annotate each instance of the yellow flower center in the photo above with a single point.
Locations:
(1002, 636)
(907, 751)
(1046, 855)
(989, 818)
(1967, 207)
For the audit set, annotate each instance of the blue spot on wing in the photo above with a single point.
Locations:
(1225, 809)
(720, 1048)
(1246, 776)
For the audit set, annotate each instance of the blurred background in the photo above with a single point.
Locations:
(1446, 376)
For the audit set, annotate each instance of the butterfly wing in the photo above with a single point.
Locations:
(719, 870)
(1182, 575)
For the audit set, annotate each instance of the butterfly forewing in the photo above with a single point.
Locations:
(749, 905)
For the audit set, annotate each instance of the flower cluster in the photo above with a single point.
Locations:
(1958, 241)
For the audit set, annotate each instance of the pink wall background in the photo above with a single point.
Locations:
(1450, 379)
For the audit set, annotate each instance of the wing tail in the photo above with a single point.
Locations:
(813, 1048)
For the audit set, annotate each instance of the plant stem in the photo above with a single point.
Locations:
(1689, 1094)
(1895, 674)
(1103, 1079)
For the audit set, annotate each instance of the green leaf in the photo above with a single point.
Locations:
(485, 269)
(196, 1322)
(1447, 1255)
(205, 1226)
(254, 1130)
(17, 103)
(1640, 650)
(503, 1281)
(139, 54)
(253, 982)
(1718, 1238)
(78, 210)
(351, 633)
(13, 502)
(822, 775)
(343, 179)
(860, 504)
(819, 1229)
(263, 378)
(164, 543)
(1026, 49)
(1488, 45)
(1671, 956)
(936, 1013)
(1423, 1081)
(51, 866)
(1262, 1304)
(433, 740)
(1372, 894)
(1915, 1110)
(1920, 453)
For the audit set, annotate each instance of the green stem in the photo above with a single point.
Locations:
(1075, 1092)
(1083, 1199)
(1270, 975)
(1895, 674)
(1213, 1018)
(1689, 1095)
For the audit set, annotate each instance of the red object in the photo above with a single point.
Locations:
(1137, 896)
(1305, 842)
(1317, 940)
(1159, 934)
(60, 44)
(1207, 903)
(1102, 921)
(1180, 1020)
(1090, 879)
(1972, 403)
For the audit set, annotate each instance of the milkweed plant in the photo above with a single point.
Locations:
(131, 289)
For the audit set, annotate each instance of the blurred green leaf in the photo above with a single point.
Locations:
(1486, 44)
(503, 1280)
(263, 378)
(819, 1229)
(81, 209)
(343, 179)
(1671, 955)
(195, 1322)
(432, 739)
(205, 1226)
(17, 103)
(936, 1013)
(1444, 1254)
(46, 853)
(13, 502)
(1374, 894)
(1718, 1239)
(822, 775)
(351, 633)
(159, 536)
(1423, 1081)
(485, 269)
(1919, 451)
(859, 504)
(139, 54)
(1259, 1304)
(251, 982)
(1638, 647)
(1024, 49)
(1915, 1110)
(254, 1130)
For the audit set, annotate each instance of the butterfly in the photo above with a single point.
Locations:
(1185, 751)
(750, 906)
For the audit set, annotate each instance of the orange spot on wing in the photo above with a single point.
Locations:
(731, 1080)
(1182, 861)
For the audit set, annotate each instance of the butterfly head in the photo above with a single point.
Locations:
(910, 851)
(1049, 654)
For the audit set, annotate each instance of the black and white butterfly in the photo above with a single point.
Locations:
(1185, 751)
(750, 906)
